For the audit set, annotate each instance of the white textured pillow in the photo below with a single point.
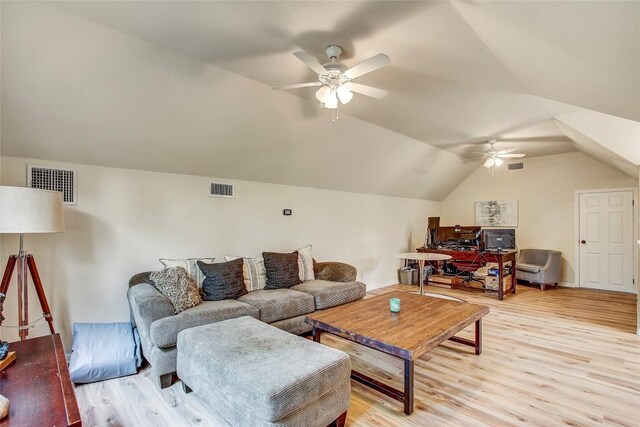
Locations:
(255, 275)
(189, 264)
(305, 264)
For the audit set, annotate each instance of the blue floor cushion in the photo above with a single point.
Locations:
(101, 351)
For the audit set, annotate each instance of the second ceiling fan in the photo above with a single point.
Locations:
(335, 78)
(494, 157)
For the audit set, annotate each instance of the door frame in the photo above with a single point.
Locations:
(634, 222)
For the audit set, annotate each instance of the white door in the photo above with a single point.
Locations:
(606, 240)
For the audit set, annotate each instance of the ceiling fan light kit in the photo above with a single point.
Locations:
(331, 100)
(334, 78)
(344, 94)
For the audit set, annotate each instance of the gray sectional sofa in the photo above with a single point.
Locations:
(153, 314)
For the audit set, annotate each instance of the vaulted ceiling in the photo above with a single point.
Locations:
(185, 87)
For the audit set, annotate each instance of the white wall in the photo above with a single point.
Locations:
(126, 219)
(545, 189)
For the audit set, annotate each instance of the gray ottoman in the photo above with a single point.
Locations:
(254, 374)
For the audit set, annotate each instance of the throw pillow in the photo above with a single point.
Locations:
(190, 265)
(175, 284)
(255, 276)
(282, 269)
(222, 280)
(305, 263)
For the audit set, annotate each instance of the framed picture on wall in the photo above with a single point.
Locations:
(497, 213)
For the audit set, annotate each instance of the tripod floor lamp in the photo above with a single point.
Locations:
(25, 211)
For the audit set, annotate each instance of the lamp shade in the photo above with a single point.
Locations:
(29, 210)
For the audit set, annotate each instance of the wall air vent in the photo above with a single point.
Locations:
(217, 189)
(56, 179)
(516, 166)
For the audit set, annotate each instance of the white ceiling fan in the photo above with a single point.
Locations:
(335, 78)
(494, 157)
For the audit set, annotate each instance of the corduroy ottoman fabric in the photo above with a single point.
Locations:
(268, 373)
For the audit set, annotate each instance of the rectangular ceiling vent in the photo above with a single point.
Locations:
(217, 189)
(55, 179)
(516, 166)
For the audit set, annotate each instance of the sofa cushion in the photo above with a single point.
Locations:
(271, 373)
(530, 268)
(282, 269)
(222, 280)
(164, 332)
(295, 325)
(279, 304)
(330, 294)
(175, 284)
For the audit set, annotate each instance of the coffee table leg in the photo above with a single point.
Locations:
(479, 336)
(315, 333)
(408, 387)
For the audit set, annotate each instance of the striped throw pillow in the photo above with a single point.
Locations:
(255, 276)
(305, 264)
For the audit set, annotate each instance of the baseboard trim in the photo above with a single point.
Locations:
(381, 285)
(568, 285)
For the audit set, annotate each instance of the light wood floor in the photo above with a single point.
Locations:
(559, 357)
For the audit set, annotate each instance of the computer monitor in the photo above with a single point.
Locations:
(459, 236)
(499, 238)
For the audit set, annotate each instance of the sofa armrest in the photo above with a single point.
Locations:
(147, 305)
(334, 271)
(550, 272)
(553, 260)
(136, 279)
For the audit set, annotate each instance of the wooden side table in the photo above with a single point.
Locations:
(38, 385)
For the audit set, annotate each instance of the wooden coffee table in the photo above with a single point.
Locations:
(422, 323)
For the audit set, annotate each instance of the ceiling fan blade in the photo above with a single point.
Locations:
(311, 62)
(366, 90)
(296, 86)
(508, 150)
(512, 156)
(368, 65)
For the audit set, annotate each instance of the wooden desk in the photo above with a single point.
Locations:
(38, 386)
(501, 258)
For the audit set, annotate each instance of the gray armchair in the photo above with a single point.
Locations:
(539, 266)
